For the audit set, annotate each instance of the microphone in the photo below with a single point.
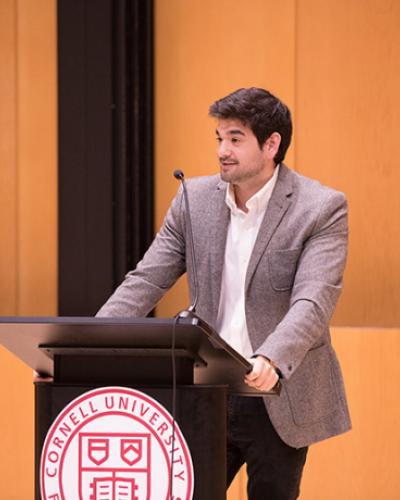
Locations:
(180, 176)
(188, 313)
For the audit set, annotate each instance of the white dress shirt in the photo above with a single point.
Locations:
(242, 234)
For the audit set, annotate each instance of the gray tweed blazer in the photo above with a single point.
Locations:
(293, 281)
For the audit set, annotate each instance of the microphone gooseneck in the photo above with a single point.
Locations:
(179, 175)
(190, 312)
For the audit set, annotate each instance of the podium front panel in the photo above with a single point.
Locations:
(200, 415)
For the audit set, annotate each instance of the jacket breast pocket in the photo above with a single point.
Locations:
(282, 267)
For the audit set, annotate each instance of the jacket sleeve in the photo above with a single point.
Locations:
(161, 266)
(315, 291)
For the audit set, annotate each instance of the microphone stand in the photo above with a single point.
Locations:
(190, 311)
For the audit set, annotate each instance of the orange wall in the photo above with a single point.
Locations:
(362, 464)
(28, 233)
(347, 121)
(336, 64)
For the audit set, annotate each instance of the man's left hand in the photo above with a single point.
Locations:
(263, 376)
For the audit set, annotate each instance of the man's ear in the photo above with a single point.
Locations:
(271, 145)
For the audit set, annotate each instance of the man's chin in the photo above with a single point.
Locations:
(226, 176)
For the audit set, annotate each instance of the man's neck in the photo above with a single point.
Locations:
(244, 191)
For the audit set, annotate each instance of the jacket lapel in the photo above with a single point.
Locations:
(277, 207)
(220, 213)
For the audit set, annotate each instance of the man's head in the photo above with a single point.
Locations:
(261, 111)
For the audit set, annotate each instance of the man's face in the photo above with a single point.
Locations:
(240, 158)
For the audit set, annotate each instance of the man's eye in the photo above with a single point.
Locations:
(218, 139)
(235, 140)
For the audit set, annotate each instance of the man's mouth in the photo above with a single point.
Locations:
(228, 163)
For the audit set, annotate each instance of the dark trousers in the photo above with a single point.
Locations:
(274, 469)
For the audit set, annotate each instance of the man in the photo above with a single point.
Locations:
(270, 248)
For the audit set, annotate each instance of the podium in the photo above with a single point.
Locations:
(181, 365)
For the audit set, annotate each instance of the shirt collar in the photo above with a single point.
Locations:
(259, 201)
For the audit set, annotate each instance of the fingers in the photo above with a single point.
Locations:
(260, 368)
(263, 375)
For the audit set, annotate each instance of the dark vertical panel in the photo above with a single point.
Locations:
(122, 99)
(133, 131)
(105, 60)
(99, 163)
(141, 142)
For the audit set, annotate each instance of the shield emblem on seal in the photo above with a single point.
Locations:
(98, 450)
(114, 466)
(131, 451)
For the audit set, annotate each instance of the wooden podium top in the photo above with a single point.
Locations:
(36, 340)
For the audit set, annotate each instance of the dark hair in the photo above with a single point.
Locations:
(261, 111)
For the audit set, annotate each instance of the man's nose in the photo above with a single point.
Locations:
(224, 150)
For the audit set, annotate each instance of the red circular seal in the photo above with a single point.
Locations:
(115, 443)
